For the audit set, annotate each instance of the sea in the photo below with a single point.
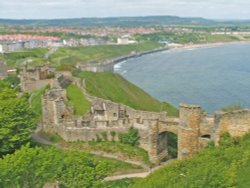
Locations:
(212, 77)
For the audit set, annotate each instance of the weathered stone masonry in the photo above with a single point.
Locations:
(195, 129)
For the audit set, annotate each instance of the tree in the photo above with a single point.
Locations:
(30, 167)
(34, 167)
(16, 121)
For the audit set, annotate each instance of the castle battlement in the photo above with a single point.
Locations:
(194, 128)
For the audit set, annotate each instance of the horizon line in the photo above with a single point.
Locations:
(144, 16)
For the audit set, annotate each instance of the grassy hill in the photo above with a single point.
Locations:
(112, 21)
(115, 88)
(17, 58)
(225, 166)
(70, 56)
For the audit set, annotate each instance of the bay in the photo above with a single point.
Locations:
(212, 77)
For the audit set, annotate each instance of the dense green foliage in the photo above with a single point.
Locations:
(172, 145)
(115, 88)
(184, 38)
(37, 56)
(78, 100)
(213, 167)
(11, 82)
(243, 176)
(131, 138)
(33, 167)
(72, 55)
(16, 121)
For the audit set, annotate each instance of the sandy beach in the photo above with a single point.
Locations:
(205, 45)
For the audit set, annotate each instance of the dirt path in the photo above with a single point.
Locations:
(50, 52)
(147, 172)
(44, 141)
(137, 175)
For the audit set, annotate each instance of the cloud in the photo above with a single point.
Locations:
(103, 8)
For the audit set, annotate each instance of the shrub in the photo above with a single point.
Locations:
(104, 136)
(113, 133)
(232, 108)
(227, 140)
(98, 138)
(131, 138)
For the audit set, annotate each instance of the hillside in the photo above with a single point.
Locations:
(115, 88)
(112, 21)
(124, 21)
(34, 56)
(67, 57)
(224, 166)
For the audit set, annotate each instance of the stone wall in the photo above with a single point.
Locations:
(195, 129)
(58, 118)
(34, 85)
(236, 123)
(189, 130)
(35, 78)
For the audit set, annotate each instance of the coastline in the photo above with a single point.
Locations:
(206, 45)
(108, 65)
(179, 47)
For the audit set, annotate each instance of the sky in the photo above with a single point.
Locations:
(49, 9)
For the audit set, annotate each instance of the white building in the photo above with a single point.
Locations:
(125, 40)
(1, 48)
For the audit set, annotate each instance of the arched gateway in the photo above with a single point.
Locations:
(194, 128)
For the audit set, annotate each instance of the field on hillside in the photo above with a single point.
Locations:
(115, 88)
(185, 38)
(35, 56)
(67, 57)
(225, 166)
(73, 55)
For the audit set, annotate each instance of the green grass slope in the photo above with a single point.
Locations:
(73, 55)
(225, 166)
(77, 100)
(115, 88)
(37, 56)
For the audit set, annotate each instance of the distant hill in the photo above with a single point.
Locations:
(112, 21)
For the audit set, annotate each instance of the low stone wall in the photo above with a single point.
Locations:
(236, 123)
(30, 86)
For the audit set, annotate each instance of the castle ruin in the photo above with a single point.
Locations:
(194, 128)
(32, 79)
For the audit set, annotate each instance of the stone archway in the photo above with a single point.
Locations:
(167, 146)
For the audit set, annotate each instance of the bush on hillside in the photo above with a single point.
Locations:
(131, 138)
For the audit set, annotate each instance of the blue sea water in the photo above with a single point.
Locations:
(212, 77)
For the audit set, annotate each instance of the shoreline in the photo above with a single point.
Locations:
(108, 65)
(179, 47)
(206, 45)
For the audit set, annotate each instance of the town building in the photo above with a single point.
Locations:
(125, 40)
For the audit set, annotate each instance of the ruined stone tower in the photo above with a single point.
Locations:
(189, 130)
